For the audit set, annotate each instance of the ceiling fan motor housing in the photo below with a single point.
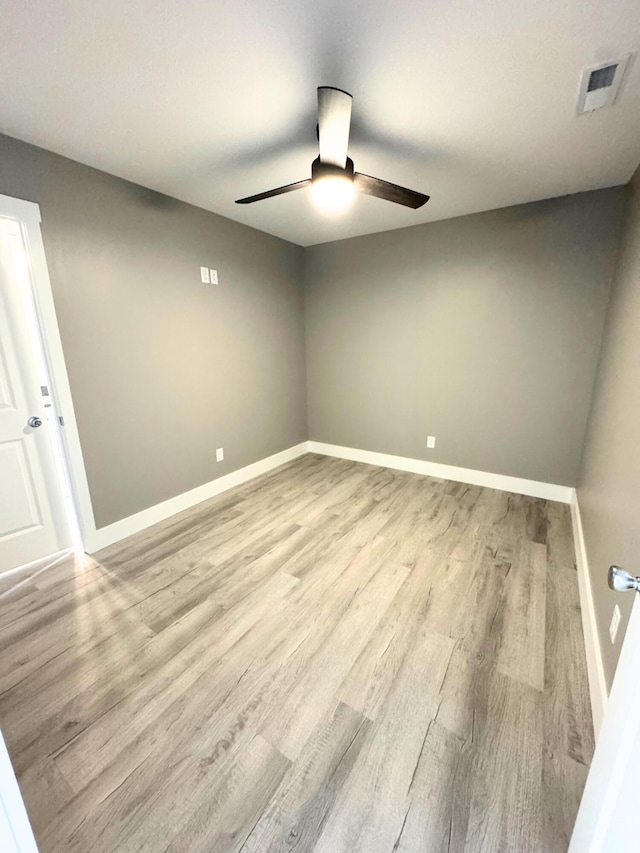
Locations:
(330, 170)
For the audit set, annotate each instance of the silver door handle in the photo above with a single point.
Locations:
(34, 422)
(621, 581)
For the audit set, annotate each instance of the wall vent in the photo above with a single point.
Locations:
(600, 84)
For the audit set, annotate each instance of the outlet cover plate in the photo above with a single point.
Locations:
(220, 454)
(431, 441)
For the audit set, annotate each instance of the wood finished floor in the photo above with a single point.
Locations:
(334, 657)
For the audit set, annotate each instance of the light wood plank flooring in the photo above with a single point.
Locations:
(334, 657)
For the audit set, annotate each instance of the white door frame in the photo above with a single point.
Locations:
(27, 214)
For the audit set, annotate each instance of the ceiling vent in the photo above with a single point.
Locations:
(600, 85)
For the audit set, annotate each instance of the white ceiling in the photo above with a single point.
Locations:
(208, 101)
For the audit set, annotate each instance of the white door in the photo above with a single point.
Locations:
(608, 817)
(33, 523)
(16, 835)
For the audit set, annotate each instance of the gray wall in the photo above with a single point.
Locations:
(609, 480)
(164, 369)
(483, 331)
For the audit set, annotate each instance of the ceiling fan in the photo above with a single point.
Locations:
(333, 180)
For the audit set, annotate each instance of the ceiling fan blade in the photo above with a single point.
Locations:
(334, 121)
(288, 188)
(389, 192)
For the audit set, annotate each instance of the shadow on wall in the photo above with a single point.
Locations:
(152, 199)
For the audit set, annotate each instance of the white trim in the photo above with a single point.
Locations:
(15, 830)
(20, 210)
(504, 483)
(141, 520)
(595, 667)
(27, 213)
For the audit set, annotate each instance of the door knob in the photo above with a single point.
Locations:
(34, 422)
(621, 581)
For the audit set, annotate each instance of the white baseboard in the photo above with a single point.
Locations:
(533, 488)
(595, 668)
(105, 536)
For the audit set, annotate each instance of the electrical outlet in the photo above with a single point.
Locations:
(220, 454)
(431, 441)
(213, 276)
(615, 623)
(204, 275)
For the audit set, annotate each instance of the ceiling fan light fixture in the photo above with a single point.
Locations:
(332, 186)
(333, 194)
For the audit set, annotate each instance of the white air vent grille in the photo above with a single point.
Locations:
(600, 85)
(602, 78)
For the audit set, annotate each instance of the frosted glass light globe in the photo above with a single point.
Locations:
(332, 194)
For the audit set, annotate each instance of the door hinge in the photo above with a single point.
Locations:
(61, 420)
(44, 390)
